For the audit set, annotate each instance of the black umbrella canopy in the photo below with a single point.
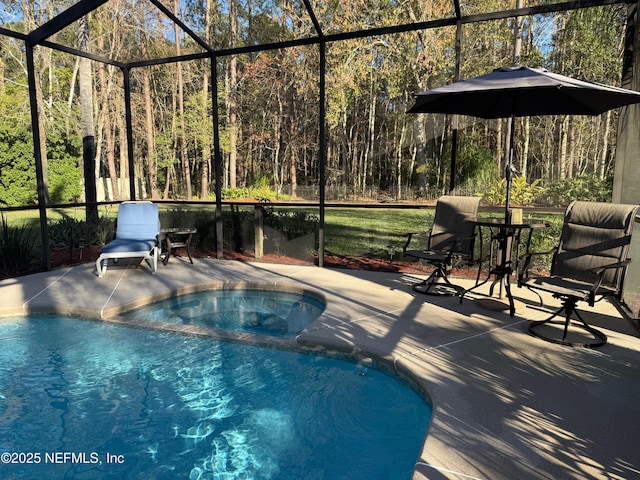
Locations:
(522, 91)
(518, 92)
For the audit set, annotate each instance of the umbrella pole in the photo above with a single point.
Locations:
(509, 176)
(509, 172)
(505, 238)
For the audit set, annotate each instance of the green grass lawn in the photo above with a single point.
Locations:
(357, 232)
(369, 232)
(365, 232)
(18, 218)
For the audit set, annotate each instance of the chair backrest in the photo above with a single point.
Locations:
(449, 223)
(594, 235)
(138, 221)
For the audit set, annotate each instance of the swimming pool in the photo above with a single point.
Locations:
(83, 399)
(263, 312)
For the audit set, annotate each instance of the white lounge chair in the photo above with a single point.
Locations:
(137, 236)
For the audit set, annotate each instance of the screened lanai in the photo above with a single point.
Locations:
(189, 103)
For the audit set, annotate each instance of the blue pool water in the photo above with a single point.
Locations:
(280, 314)
(85, 400)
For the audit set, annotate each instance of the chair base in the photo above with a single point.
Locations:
(438, 284)
(568, 307)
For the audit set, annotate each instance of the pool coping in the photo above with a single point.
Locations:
(506, 404)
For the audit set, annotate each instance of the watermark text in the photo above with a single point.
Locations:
(62, 458)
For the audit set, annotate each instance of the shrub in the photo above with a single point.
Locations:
(292, 224)
(18, 175)
(252, 193)
(522, 193)
(73, 233)
(17, 247)
(589, 188)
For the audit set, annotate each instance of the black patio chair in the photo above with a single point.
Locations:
(449, 243)
(588, 265)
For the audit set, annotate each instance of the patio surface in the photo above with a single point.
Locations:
(506, 405)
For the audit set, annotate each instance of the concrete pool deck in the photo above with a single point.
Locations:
(506, 405)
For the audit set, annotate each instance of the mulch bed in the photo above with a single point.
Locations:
(65, 257)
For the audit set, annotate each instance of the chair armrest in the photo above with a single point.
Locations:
(524, 271)
(447, 247)
(450, 246)
(410, 235)
(600, 271)
(462, 238)
(408, 241)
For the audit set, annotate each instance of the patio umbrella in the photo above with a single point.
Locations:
(522, 91)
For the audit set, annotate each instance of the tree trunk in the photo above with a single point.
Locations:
(2, 89)
(30, 24)
(85, 87)
(571, 147)
(369, 153)
(105, 83)
(233, 96)
(123, 161)
(562, 174)
(293, 160)
(43, 134)
(602, 164)
(150, 131)
(186, 167)
(277, 143)
(517, 37)
(167, 185)
(400, 142)
(206, 147)
(499, 144)
(524, 161)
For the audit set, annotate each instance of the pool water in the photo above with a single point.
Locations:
(94, 400)
(279, 314)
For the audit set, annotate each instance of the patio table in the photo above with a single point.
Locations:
(507, 238)
(174, 238)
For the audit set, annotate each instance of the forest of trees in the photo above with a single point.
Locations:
(268, 115)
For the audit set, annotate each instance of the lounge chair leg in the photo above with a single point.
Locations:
(101, 266)
(154, 265)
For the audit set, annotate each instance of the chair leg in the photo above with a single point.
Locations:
(101, 266)
(99, 271)
(152, 259)
(569, 308)
(156, 256)
(439, 282)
